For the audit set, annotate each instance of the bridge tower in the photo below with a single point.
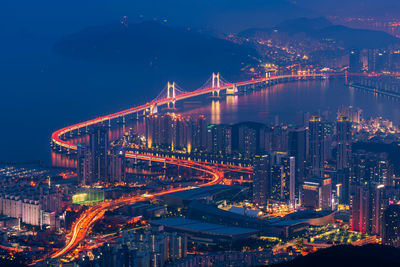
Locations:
(232, 91)
(171, 93)
(215, 83)
(153, 109)
(267, 77)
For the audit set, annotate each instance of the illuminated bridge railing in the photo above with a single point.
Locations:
(57, 135)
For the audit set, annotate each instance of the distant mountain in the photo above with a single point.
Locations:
(235, 16)
(321, 28)
(303, 24)
(349, 256)
(156, 46)
(353, 8)
(221, 15)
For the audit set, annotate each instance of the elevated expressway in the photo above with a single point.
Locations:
(57, 136)
(83, 224)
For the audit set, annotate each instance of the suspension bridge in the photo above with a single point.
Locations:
(215, 86)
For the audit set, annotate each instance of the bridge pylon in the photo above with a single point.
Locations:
(215, 83)
(232, 91)
(153, 109)
(171, 93)
(267, 77)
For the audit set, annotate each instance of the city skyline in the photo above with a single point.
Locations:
(228, 133)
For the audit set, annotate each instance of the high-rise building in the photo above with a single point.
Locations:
(33, 205)
(219, 139)
(85, 166)
(247, 140)
(177, 246)
(116, 166)
(261, 180)
(367, 205)
(343, 133)
(288, 177)
(292, 182)
(297, 148)
(343, 186)
(99, 151)
(329, 129)
(355, 64)
(391, 225)
(174, 132)
(384, 171)
(92, 161)
(141, 249)
(369, 168)
(351, 113)
(316, 193)
(282, 177)
(316, 146)
(378, 60)
(200, 134)
(276, 177)
(280, 136)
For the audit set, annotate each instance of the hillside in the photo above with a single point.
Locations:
(322, 29)
(349, 256)
(156, 46)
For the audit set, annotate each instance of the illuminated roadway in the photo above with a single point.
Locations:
(90, 216)
(81, 227)
(56, 136)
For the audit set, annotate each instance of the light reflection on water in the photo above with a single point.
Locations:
(283, 100)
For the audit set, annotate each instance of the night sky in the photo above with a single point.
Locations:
(43, 92)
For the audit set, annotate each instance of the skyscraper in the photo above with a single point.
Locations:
(297, 148)
(343, 186)
(343, 133)
(371, 168)
(316, 146)
(174, 132)
(391, 225)
(316, 193)
(92, 162)
(200, 134)
(116, 165)
(367, 205)
(355, 64)
(247, 140)
(282, 176)
(219, 139)
(292, 182)
(98, 151)
(84, 166)
(288, 176)
(276, 175)
(261, 180)
(378, 60)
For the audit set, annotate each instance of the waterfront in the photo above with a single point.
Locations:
(260, 105)
(286, 100)
(263, 105)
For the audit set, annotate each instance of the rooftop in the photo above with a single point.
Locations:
(184, 224)
(201, 192)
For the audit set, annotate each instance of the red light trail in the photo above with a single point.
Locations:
(82, 225)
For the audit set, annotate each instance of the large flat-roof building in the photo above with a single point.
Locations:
(205, 232)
